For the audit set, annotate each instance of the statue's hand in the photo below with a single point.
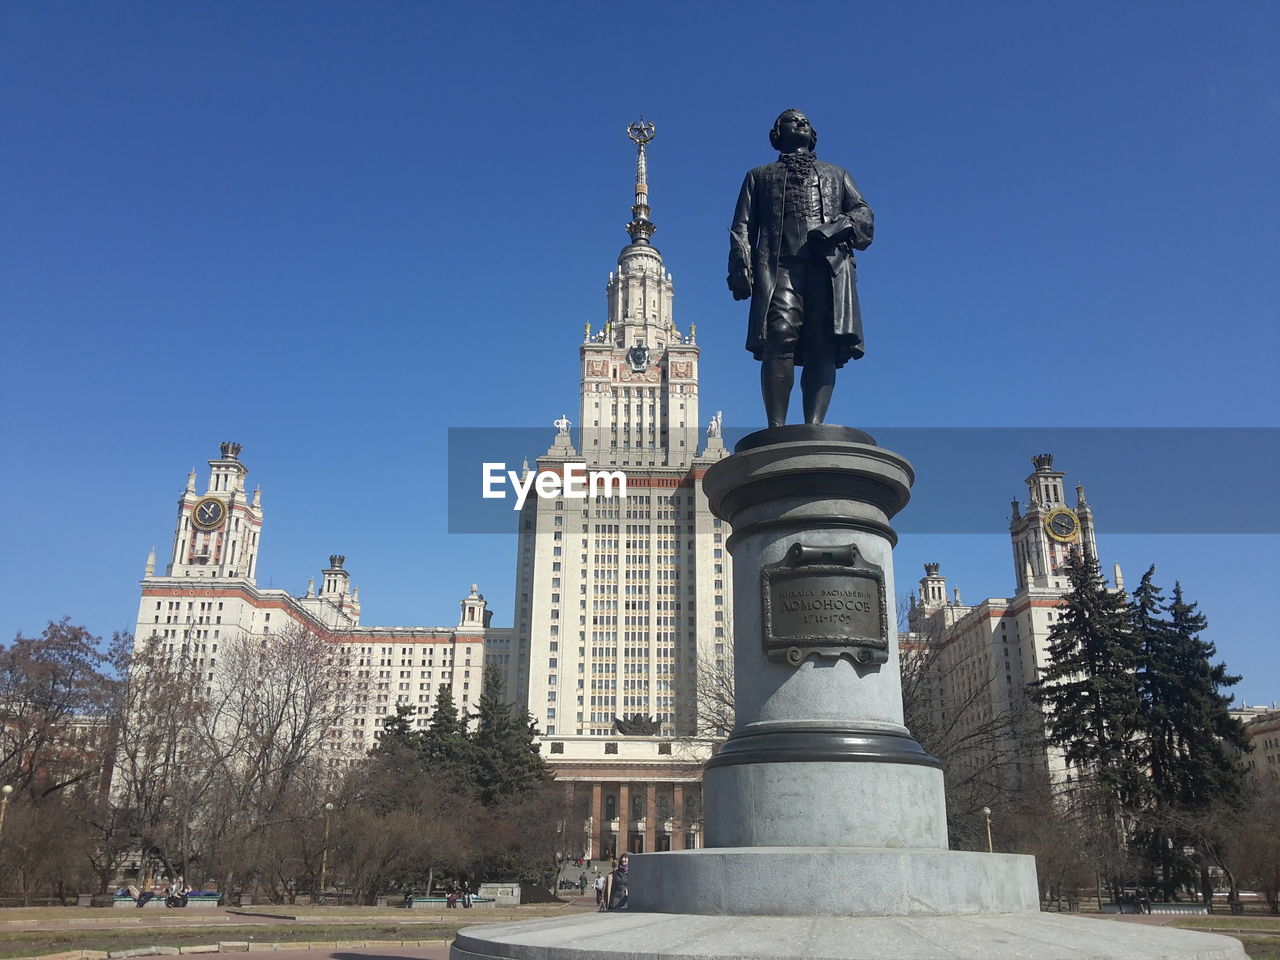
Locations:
(830, 234)
(740, 283)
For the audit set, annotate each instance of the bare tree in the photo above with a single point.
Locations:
(48, 686)
(274, 703)
(987, 740)
(160, 773)
(1258, 845)
(714, 697)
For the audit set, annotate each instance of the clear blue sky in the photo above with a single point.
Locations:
(331, 231)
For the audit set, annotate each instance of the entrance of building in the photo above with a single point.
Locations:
(635, 843)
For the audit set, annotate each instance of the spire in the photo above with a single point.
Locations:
(641, 227)
(151, 563)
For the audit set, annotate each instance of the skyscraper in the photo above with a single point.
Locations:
(623, 617)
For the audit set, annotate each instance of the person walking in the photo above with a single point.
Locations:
(600, 885)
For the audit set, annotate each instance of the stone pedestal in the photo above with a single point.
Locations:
(819, 756)
(825, 820)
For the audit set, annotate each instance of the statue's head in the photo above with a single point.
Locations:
(792, 130)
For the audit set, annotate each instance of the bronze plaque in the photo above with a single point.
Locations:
(826, 602)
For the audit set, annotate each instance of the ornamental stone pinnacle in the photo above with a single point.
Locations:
(641, 228)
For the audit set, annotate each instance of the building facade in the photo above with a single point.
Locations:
(983, 655)
(622, 610)
(621, 648)
(1262, 724)
(207, 600)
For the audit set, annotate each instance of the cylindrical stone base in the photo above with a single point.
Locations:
(819, 755)
(845, 882)
(772, 805)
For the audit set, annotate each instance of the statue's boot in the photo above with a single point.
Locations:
(816, 385)
(777, 377)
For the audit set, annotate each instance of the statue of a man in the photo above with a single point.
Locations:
(794, 231)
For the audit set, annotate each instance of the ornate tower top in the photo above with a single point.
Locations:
(229, 450)
(641, 227)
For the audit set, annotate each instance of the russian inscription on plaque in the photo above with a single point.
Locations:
(825, 602)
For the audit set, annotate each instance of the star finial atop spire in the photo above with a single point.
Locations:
(641, 227)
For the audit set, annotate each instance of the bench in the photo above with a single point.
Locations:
(197, 900)
(1156, 908)
(442, 903)
(129, 903)
(1183, 908)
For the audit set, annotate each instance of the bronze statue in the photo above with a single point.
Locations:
(794, 231)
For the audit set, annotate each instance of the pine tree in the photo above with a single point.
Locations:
(1088, 688)
(1191, 741)
(398, 729)
(445, 745)
(1158, 681)
(505, 762)
(1209, 739)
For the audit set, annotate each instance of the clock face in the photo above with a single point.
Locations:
(1062, 524)
(208, 513)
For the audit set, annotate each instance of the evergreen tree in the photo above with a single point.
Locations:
(1158, 683)
(445, 745)
(1191, 742)
(1209, 739)
(395, 763)
(399, 730)
(505, 762)
(1088, 688)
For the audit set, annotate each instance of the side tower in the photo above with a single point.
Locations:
(216, 534)
(1046, 533)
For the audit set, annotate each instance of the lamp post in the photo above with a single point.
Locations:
(986, 812)
(5, 792)
(324, 856)
(186, 850)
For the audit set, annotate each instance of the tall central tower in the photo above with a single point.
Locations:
(622, 616)
(639, 399)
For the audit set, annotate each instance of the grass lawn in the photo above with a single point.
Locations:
(1261, 948)
(35, 943)
(1260, 935)
(1225, 922)
(127, 929)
